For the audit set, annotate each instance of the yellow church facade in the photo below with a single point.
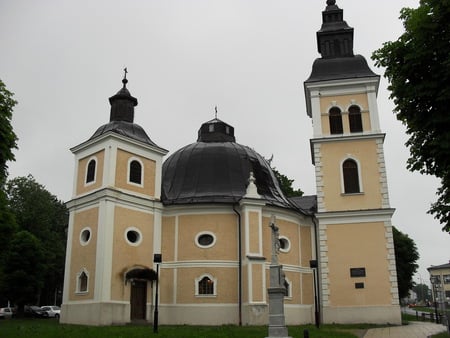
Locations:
(205, 211)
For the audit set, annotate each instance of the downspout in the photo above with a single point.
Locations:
(239, 264)
(314, 219)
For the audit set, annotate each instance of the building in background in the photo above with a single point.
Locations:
(440, 282)
(206, 209)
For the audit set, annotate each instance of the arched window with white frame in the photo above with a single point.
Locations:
(288, 287)
(351, 176)
(91, 171)
(82, 285)
(335, 118)
(205, 286)
(355, 119)
(135, 171)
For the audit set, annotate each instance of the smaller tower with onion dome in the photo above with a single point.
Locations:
(115, 221)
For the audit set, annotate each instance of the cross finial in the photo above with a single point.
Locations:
(125, 81)
(215, 109)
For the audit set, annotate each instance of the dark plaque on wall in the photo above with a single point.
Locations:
(359, 285)
(357, 272)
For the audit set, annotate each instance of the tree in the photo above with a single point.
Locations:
(423, 292)
(41, 214)
(286, 185)
(7, 144)
(406, 256)
(7, 137)
(24, 263)
(417, 67)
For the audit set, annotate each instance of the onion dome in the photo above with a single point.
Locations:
(216, 169)
(121, 119)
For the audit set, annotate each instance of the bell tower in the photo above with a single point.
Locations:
(357, 272)
(115, 221)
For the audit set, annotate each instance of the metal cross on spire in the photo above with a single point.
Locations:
(125, 81)
(215, 109)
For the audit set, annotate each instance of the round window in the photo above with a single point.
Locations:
(133, 236)
(285, 245)
(85, 236)
(205, 240)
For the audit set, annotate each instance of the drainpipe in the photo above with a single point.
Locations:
(317, 314)
(240, 264)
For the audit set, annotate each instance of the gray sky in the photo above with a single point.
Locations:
(63, 60)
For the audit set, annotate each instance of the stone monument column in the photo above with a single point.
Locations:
(277, 290)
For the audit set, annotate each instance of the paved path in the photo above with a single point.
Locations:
(413, 330)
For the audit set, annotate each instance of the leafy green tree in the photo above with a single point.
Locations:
(24, 263)
(417, 67)
(41, 214)
(286, 185)
(8, 141)
(7, 137)
(423, 292)
(406, 256)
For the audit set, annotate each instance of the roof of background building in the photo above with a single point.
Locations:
(439, 267)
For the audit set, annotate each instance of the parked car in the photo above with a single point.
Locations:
(35, 311)
(6, 313)
(52, 310)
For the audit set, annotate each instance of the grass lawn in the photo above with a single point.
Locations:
(50, 328)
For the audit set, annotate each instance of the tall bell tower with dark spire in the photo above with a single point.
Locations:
(357, 271)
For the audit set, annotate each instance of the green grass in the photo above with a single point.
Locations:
(441, 335)
(49, 328)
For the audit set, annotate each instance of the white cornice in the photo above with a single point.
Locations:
(340, 86)
(348, 137)
(355, 216)
(114, 195)
(112, 135)
(198, 209)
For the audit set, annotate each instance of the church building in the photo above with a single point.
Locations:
(197, 222)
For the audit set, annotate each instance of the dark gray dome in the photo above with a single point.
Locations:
(211, 171)
(128, 129)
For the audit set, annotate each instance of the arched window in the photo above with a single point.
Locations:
(135, 172)
(82, 281)
(351, 176)
(205, 286)
(287, 287)
(90, 172)
(354, 119)
(335, 121)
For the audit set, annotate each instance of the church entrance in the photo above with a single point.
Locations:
(138, 300)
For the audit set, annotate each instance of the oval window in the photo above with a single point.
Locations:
(205, 240)
(85, 236)
(133, 236)
(285, 245)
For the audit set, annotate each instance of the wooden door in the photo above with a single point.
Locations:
(138, 301)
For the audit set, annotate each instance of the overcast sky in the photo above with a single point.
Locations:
(64, 59)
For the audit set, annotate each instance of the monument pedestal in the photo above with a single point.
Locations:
(277, 291)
